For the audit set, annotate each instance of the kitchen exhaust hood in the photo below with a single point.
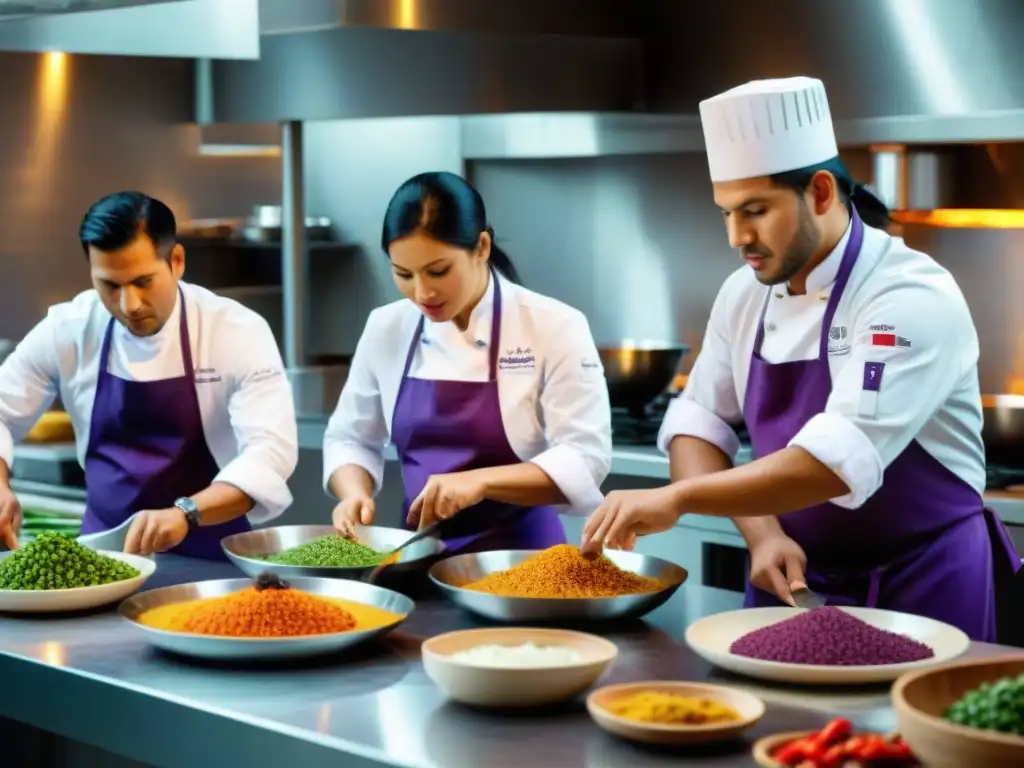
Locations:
(973, 186)
(222, 29)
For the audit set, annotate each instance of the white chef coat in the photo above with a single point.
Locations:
(554, 406)
(245, 399)
(929, 390)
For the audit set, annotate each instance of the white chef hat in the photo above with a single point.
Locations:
(766, 127)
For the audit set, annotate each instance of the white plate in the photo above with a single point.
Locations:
(712, 636)
(80, 598)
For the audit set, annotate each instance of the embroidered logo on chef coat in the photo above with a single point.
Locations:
(838, 340)
(517, 359)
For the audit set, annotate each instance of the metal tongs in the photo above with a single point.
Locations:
(465, 523)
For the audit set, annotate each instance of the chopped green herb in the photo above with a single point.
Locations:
(997, 706)
(331, 551)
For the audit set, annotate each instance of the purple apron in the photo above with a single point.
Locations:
(147, 449)
(442, 426)
(923, 544)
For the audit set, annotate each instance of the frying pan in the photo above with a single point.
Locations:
(1003, 432)
(638, 374)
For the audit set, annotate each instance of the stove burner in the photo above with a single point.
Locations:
(639, 426)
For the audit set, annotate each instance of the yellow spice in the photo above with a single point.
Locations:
(672, 709)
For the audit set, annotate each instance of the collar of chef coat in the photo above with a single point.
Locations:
(478, 328)
(138, 347)
(824, 275)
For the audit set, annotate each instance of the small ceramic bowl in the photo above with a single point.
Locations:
(486, 686)
(750, 708)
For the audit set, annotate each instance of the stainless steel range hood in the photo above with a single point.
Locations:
(975, 186)
(10, 9)
(225, 29)
(325, 60)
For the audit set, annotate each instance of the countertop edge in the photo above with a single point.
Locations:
(147, 739)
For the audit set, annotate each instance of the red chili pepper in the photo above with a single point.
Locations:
(837, 730)
(873, 748)
(853, 745)
(793, 752)
(834, 756)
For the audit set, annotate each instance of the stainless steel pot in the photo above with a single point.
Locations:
(638, 374)
(1003, 431)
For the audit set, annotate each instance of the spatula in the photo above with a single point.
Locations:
(804, 597)
(466, 523)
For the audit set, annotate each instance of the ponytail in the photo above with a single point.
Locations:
(501, 261)
(872, 210)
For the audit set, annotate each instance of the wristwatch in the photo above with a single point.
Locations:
(191, 510)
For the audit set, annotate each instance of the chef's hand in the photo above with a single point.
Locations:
(156, 530)
(444, 496)
(624, 515)
(352, 511)
(10, 518)
(778, 565)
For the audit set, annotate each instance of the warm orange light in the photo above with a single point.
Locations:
(969, 218)
(408, 14)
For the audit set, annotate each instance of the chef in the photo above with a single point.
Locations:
(853, 361)
(182, 412)
(493, 395)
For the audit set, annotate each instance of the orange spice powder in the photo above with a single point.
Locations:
(269, 608)
(561, 571)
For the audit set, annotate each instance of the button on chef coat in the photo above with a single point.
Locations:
(554, 400)
(245, 399)
(900, 309)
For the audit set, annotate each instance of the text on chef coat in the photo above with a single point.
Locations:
(517, 359)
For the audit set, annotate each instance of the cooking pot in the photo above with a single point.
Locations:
(1003, 431)
(638, 374)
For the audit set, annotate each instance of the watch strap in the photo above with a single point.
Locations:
(191, 510)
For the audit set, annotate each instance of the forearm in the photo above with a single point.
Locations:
(785, 481)
(351, 481)
(524, 484)
(221, 503)
(5, 475)
(692, 457)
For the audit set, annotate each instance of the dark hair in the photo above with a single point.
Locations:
(872, 210)
(115, 220)
(447, 208)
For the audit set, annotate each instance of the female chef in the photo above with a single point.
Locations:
(183, 414)
(491, 393)
(853, 361)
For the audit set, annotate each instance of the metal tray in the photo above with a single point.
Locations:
(463, 569)
(241, 547)
(261, 648)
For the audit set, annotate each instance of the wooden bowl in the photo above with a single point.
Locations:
(921, 698)
(484, 686)
(750, 708)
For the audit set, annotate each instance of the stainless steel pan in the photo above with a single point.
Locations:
(1003, 431)
(638, 374)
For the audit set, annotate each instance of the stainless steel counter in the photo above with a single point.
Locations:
(91, 679)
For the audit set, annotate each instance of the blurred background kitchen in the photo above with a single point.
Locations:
(278, 129)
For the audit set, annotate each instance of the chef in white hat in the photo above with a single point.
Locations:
(853, 362)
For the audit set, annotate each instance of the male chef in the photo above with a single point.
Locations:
(853, 361)
(182, 411)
